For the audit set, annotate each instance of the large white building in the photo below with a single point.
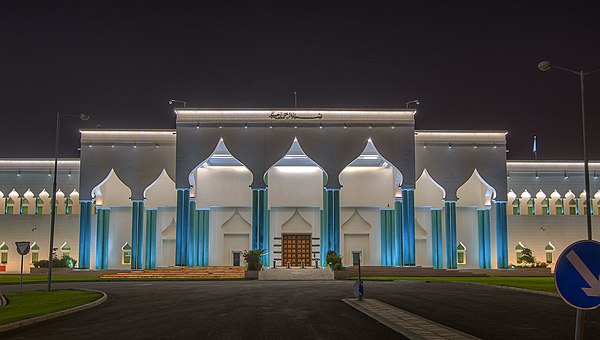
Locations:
(298, 183)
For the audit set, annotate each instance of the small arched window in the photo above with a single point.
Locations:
(39, 206)
(516, 207)
(531, 206)
(461, 254)
(65, 250)
(546, 206)
(573, 207)
(560, 206)
(3, 253)
(550, 252)
(24, 206)
(35, 253)
(519, 252)
(126, 254)
(68, 206)
(9, 207)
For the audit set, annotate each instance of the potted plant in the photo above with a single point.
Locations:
(252, 258)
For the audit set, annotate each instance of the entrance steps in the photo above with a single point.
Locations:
(296, 274)
(181, 273)
(428, 271)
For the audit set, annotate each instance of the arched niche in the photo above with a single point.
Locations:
(161, 193)
(428, 192)
(356, 224)
(112, 192)
(296, 224)
(236, 224)
(475, 192)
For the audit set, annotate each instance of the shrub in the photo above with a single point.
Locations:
(253, 259)
(333, 260)
(64, 262)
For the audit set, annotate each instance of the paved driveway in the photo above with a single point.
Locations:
(307, 310)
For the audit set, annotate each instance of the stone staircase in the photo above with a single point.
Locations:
(181, 273)
(296, 274)
(428, 271)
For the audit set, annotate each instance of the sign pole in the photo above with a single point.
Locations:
(579, 324)
(21, 277)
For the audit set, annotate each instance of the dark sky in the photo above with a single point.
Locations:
(472, 64)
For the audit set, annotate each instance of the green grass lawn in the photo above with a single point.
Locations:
(10, 278)
(544, 284)
(31, 304)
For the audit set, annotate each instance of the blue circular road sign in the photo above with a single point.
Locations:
(577, 274)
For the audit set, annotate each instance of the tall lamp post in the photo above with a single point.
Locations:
(83, 117)
(545, 66)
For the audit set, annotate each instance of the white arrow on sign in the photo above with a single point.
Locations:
(587, 275)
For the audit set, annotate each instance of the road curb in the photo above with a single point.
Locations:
(41, 318)
(524, 290)
(2, 300)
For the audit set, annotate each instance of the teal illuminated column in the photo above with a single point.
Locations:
(437, 251)
(137, 234)
(450, 217)
(150, 250)
(483, 222)
(259, 218)
(85, 234)
(408, 227)
(203, 219)
(182, 227)
(387, 237)
(333, 219)
(102, 223)
(198, 236)
(324, 232)
(397, 250)
(501, 235)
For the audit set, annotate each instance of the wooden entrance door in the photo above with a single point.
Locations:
(296, 247)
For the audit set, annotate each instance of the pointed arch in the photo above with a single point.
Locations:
(356, 223)
(296, 223)
(475, 191)
(161, 192)
(236, 224)
(112, 191)
(429, 192)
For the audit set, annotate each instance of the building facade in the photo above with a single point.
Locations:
(297, 183)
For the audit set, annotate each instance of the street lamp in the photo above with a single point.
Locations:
(83, 117)
(173, 101)
(545, 66)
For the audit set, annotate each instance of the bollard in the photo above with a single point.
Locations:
(317, 264)
(274, 264)
(289, 265)
(302, 264)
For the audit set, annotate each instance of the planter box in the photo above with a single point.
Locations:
(252, 275)
(340, 274)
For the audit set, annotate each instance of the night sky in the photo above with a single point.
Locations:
(472, 64)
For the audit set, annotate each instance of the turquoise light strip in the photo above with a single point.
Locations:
(333, 219)
(259, 219)
(194, 245)
(387, 237)
(408, 227)
(437, 250)
(150, 253)
(398, 217)
(137, 234)
(501, 235)
(182, 227)
(483, 222)
(450, 217)
(85, 234)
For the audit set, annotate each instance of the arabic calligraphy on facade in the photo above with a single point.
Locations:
(292, 115)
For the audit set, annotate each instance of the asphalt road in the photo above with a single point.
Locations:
(303, 310)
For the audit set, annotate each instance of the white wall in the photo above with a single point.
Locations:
(367, 187)
(423, 247)
(119, 232)
(36, 228)
(467, 232)
(295, 186)
(230, 221)
(361, 221)
(161, 193)
(223, 186)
